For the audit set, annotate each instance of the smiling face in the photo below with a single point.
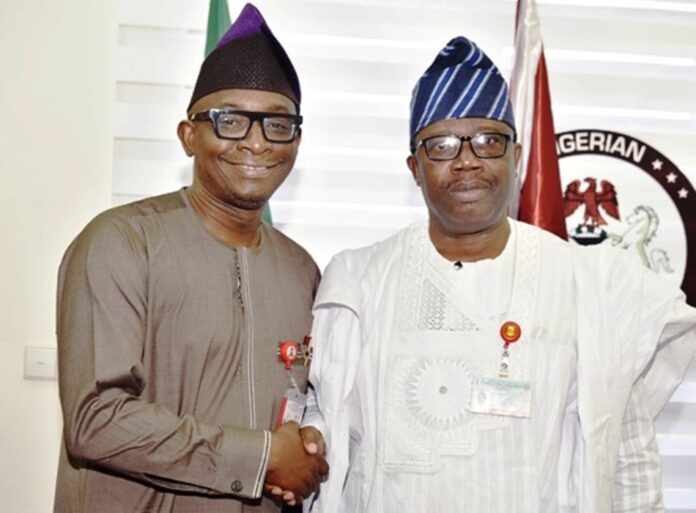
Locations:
(241, 173)
(466, 195)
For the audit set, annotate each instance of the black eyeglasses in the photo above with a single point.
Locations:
(485, 145)
(235, 124)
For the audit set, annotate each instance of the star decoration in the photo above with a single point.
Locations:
(671, 178)
(657, 164)
(683, 193)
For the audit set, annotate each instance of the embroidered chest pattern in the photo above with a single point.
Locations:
(428, 385)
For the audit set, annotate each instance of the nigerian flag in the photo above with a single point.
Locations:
(218, 23)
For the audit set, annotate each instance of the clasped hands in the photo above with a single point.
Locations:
(297, 465)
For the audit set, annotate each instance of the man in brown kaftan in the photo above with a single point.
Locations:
(171, 311)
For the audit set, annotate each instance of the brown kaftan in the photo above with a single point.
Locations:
(169, 373)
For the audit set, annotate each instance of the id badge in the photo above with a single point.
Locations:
(496, 396)
(293, 406)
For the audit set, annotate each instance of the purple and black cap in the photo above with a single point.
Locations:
(248, 56)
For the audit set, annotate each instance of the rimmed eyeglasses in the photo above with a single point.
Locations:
(235, 124)
(485, 145)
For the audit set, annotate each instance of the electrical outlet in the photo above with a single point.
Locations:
(40, 363)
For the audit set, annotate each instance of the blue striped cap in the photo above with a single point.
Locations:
(462, 82)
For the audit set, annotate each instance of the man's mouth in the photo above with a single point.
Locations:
(253, 169)
(467, 191)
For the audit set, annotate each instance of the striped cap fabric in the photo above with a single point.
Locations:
(248, 56)
(462, 82)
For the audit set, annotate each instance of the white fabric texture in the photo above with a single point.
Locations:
(400, 335)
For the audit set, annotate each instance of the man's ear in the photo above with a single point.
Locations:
(412, 164)
(298, 137)
(186, 132)
(518, 153)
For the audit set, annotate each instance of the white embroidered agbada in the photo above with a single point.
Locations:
(400, 335)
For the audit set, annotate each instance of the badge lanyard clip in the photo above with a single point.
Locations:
(510, 332)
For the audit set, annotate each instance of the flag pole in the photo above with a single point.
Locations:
(539, 198)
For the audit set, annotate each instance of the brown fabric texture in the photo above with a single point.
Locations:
(250, 62)
(168, 378)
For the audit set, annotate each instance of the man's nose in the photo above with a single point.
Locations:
(255, 139)
(466, 159)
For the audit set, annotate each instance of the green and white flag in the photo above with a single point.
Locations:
(218, 23)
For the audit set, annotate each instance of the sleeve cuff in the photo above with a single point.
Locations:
(245, 457)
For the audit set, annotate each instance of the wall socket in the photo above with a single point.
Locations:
(40, 363)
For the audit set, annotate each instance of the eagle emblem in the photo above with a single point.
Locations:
(590, 231)
(593, 200)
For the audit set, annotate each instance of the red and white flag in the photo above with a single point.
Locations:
(540, 198)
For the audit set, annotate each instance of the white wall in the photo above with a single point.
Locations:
(56, 96)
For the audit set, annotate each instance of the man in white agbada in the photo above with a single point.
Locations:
(477, 364)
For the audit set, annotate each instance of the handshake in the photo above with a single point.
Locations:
(297, 465)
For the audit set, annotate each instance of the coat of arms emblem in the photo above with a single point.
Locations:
(650, 214)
